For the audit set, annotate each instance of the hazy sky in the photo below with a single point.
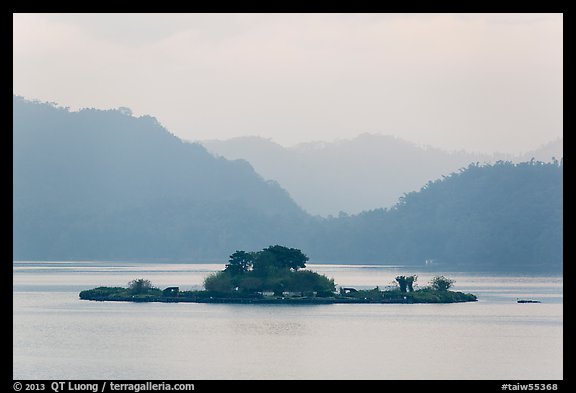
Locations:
(480, 82)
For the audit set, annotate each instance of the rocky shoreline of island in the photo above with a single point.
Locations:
(352, 296)
(429, 297)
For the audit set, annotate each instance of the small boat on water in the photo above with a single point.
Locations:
(527, 301)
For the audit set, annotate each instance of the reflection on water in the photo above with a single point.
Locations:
(58, 336)
(267, 328)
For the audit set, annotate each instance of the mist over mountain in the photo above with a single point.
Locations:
(545, 153)
(367, 172)
(97, 184)
(502, 216)
(105, 184)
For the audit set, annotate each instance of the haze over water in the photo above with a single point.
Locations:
(374, 138)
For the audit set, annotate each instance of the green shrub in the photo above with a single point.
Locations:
(102, 292)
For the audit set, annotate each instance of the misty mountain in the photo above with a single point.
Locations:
(367, 172)
(97, 184)
(496, 217)
(105, 184)
(545, 153)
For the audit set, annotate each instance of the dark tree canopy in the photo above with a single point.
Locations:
(221, 282)
(441, 283)
(406, 283)
(239, 262)
(139, 286)
(288, 257)
(275, 268)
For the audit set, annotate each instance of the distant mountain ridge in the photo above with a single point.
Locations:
(496, 217)
(547, 152)
(106, 185)
(367, 172)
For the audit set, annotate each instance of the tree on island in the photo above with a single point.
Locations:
(275, 268)
(441, 283)
(239, 262)
(406, 283)
(140, 286)
(291, 258)
(270, 258)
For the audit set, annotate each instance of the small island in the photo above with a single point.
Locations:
(277, 275)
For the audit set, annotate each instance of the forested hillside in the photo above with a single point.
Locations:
(99, 184)
(504, 216)
(105, 184)
(367, 172)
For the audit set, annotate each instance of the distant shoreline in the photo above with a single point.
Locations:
(535, 271)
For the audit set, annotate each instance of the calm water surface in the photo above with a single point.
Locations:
(58, 336)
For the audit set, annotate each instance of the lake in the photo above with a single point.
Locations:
(58, 336)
